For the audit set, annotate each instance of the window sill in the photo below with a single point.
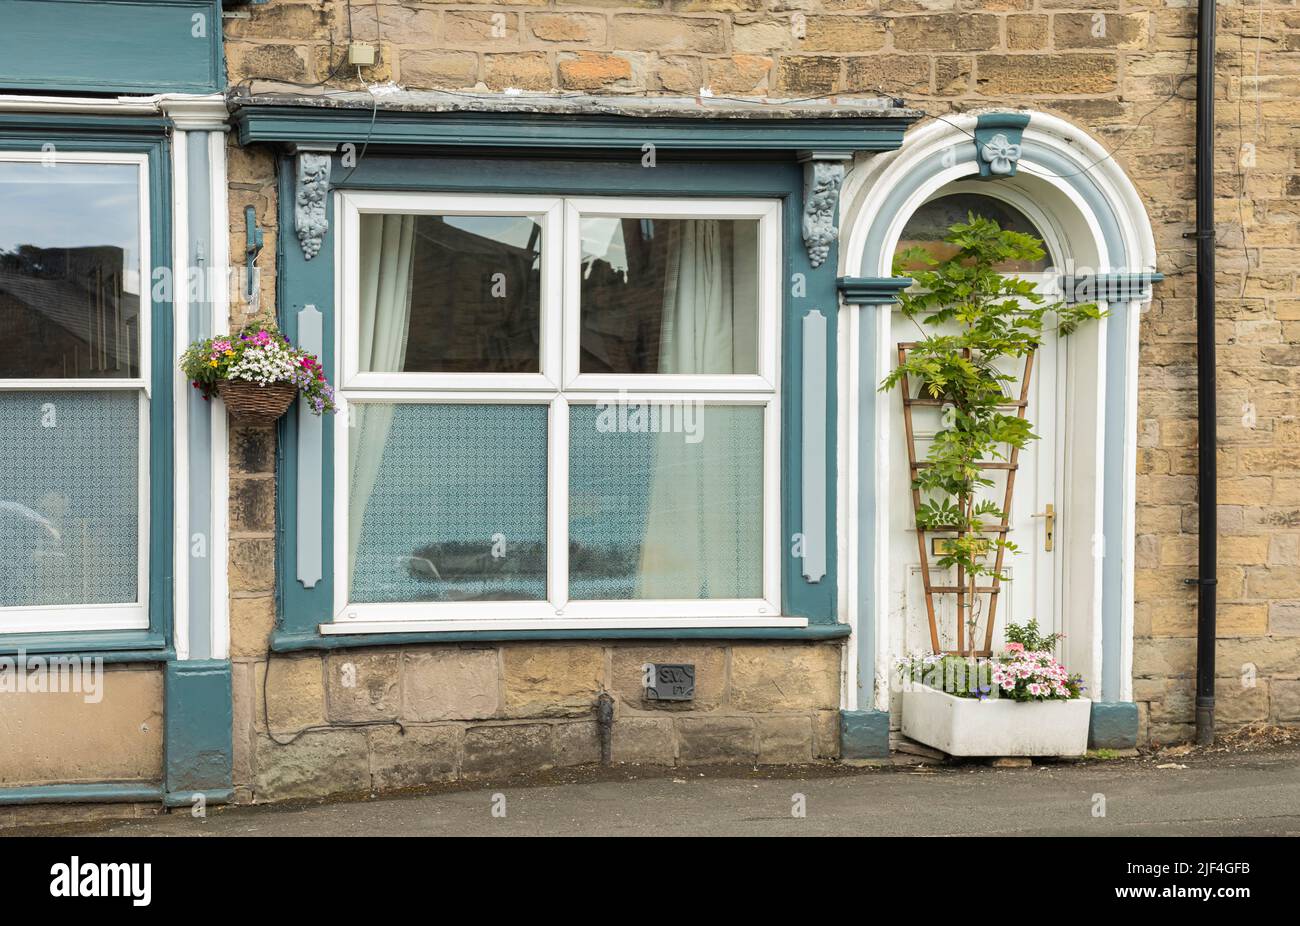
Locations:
(558, 623)
(795, 629)
(109, 645)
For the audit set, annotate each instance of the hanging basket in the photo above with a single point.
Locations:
(253, 404)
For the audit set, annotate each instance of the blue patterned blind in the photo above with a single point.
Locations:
(670, 513)
(458, 509)
(69, 497)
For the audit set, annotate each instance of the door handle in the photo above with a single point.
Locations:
(1049, 513)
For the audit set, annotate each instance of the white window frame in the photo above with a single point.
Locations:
(558, 386)
(125, 615)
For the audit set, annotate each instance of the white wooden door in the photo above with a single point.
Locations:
(1034, 577)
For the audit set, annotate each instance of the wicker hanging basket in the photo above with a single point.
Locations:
(253, 404)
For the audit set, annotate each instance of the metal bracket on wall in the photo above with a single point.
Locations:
(254, 239)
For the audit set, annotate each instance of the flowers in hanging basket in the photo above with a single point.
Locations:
(260, 356)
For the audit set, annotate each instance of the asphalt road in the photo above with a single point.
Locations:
(1249, 793)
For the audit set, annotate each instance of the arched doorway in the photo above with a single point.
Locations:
(1060, 185)
(1034, 573)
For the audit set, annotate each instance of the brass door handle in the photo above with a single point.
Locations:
(1050, 514)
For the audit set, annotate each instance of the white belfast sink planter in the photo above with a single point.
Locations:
(996, 727)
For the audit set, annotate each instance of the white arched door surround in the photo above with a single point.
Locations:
(1097, 233)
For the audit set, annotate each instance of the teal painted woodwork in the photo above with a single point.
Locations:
(111, 46)
(316, 125)
(112, 646)
(301, 609)
(872, 290)
(187, 799)
(864, 734)
(30, 132)
(1108, 287)
(1113, 725)
(110, 793)
(997, 143)
(197, 724)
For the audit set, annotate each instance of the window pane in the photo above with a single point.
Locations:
(70, 282)
(666, 501)
(929, 225)
(69, 498)
(669, 295)
(450, 294)
(447, 502)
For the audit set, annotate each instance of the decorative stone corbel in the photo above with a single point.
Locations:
(1001, 155)
(998, 143)
(310, 197)
(823, 175)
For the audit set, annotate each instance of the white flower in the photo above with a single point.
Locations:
(265, 364)
(1000, 154)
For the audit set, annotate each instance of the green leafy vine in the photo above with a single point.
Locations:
(998, 317)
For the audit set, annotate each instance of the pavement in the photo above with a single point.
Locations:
(1188, 792)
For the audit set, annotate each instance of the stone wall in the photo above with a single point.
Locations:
(399, 717)
(1121, 69)
(110, 730)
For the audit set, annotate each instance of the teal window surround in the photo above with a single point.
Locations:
(300, 610)
(577, 131)
(146, 135)
(112, 46)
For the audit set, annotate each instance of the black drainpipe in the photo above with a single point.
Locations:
(1207, 486)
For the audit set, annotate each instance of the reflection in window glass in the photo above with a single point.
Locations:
(665, 501)
(669, 295)
(450, 294)
(929, 225)
(69, 496)
(447, 502)
(70, 280)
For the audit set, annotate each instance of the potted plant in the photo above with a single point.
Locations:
(258, 373)
(1021, 702)
(975, 323)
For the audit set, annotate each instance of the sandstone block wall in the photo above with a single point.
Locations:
(391, 718)
(1121, 69)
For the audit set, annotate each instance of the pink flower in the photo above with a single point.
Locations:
(1015, 648)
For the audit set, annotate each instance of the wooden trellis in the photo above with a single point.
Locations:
(915, 464)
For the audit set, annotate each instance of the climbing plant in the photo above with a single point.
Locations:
(998, 317)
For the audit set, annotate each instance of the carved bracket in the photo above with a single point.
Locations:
(997, 143)
(310, 198)
(823, 175)
(1001, 155)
